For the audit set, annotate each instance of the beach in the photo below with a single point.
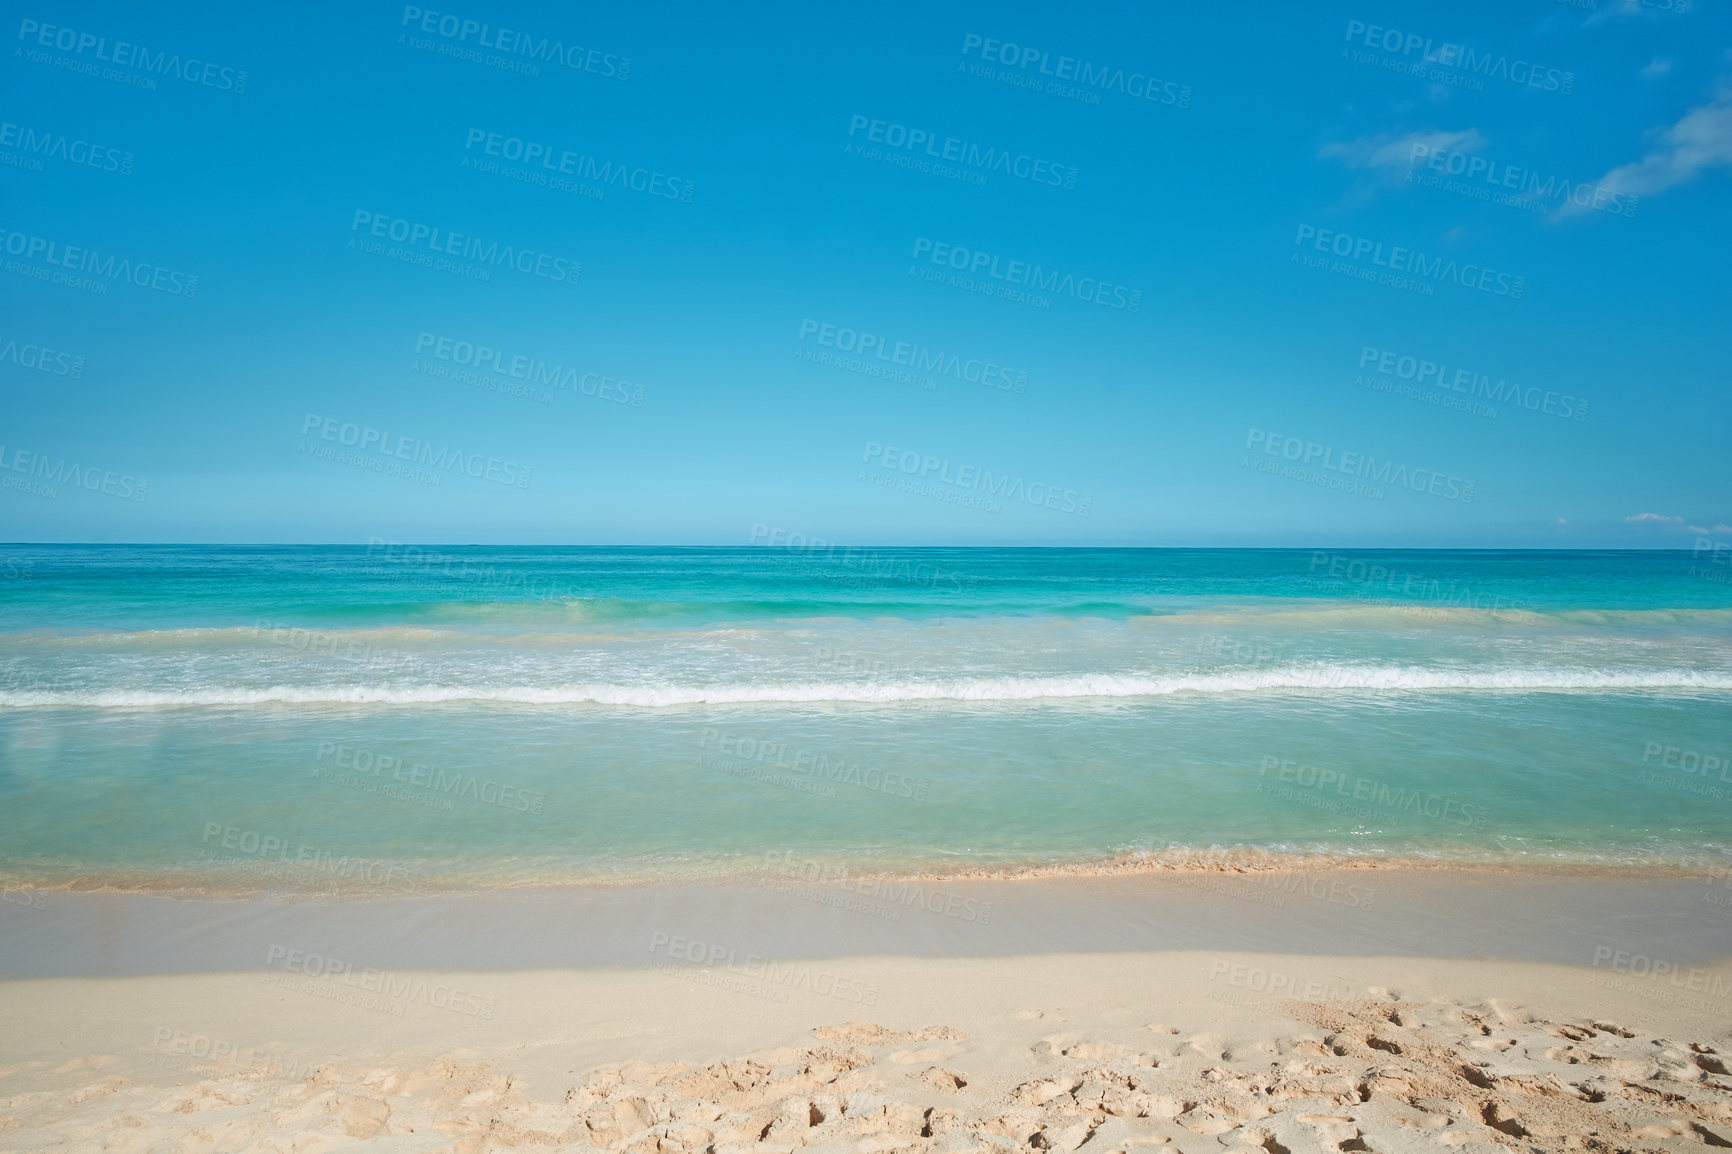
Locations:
(1189, 1010)
(322, 848)
(764, 579)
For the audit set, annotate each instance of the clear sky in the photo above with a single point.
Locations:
(1145, 274)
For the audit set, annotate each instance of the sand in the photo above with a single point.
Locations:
(705, 1042)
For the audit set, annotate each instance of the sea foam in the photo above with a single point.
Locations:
(1321, 678)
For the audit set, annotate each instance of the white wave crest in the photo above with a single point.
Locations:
(1316, 678)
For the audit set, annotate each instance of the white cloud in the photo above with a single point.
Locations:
(1656, 68)
(1624, 10)
(1656, 517)
(1395, 150)
(1700, 141)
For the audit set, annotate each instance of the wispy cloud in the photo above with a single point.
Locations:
(1701, 141)
(1630, 10)
(1661, 517)
(1395, 150)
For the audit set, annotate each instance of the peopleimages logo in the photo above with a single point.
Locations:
(1137, 85)
(975, 478)
(873, 565)
(985, 158)
(1411, 587)
(1028, 275)
(126, 55)
(1363, 466)
(484, 359)
(1693, 979)
(462, 31)
(94, 478)
(58, 146)
(41, 358)
(362, 762)
(92, 263)
(1505, 392)
(1509, 183)
(528, 261)
(767, 974)
(403, 988)
(896, 894)
(269, 848)
(378, 442)
(914, 356)
(1411, 262)
(1371, 793)
(1459, 58)
(1685, 761)
(564, 162)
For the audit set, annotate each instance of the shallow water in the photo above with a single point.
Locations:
(312, 718)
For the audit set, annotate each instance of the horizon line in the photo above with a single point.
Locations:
(831, 546)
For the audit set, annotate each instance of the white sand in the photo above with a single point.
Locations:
(1194, 1050)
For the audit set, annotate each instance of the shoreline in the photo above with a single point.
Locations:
(370, 878)
(1568, 920)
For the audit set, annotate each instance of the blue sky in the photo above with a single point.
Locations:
(1379, 256)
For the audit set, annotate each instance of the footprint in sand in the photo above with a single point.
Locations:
(97, 1089)
(948, 1080)
(1331, 1086)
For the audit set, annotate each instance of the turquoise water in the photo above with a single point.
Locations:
(309, 718)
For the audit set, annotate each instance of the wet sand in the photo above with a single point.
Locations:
(1542, 917)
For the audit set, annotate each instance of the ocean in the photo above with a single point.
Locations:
(388, 718)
